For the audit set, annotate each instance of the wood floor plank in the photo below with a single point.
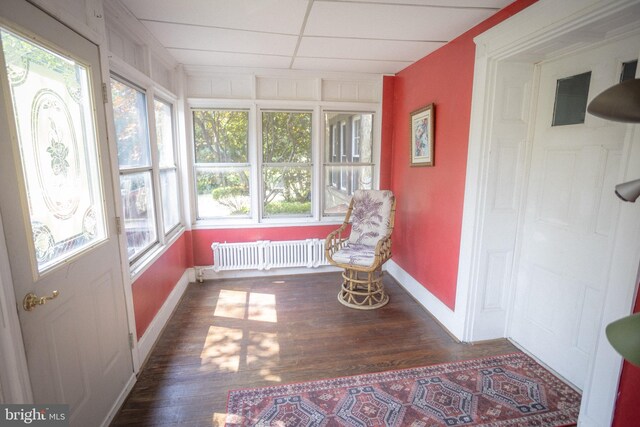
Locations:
(253, 332)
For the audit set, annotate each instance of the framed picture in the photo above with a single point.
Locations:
(422, 136)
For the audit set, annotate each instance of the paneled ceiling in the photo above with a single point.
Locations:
(371, 36)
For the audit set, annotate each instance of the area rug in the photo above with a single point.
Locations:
(508, 390)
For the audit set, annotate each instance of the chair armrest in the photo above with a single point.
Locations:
(334, 242)
(383, 250)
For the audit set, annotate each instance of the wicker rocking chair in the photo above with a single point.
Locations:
(362, 253)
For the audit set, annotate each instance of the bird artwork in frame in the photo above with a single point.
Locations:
(422, 136)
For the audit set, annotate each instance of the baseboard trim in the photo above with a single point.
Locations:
(151, 335)
(207, 273)
(443, 314)
(119, 401)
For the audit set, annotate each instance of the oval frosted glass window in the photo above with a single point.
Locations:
(53, 111)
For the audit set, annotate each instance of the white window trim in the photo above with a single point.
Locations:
(124, 73)
(318, 153)
(343, 155)
(355, 140)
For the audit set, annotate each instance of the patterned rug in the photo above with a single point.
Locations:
(508, 390)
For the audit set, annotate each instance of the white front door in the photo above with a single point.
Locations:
(58, 213)
(570, 214)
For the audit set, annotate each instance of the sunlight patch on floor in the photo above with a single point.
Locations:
(222, 347)
(262, 307)
(240, 346)
(231, 304)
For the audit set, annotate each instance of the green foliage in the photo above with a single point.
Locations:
(234, 198)
(286, 137)
(287, 208)
(221, 136)
(18, 51)
(130, 120)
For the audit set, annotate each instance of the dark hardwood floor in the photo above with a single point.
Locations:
(245, 333)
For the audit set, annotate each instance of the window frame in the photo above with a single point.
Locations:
(261, 165)
(317, 108)
(230, 166)
(349, 183)
(164, 238)
(175, 167)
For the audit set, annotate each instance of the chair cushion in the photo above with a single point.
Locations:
(370, 216)
(355, 254)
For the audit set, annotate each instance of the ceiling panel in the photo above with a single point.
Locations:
(493, 4)
(215, 39)
(372, 36)
(349, 65)
(223, 59)
(279, 16)
(321, 47)
(380, 21)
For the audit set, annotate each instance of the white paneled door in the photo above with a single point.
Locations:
(570, 214)
(58, 214)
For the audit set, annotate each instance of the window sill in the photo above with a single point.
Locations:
(140, 266)
(207, 224)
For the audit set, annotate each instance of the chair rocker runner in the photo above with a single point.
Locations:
(362, 253)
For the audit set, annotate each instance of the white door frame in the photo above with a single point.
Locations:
(15, 383)
(544, 27)
(14, 373)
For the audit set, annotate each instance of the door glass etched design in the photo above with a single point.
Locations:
(53, 111)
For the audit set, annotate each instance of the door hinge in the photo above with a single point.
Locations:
(105, 95)
(131, 343)
(118, 225)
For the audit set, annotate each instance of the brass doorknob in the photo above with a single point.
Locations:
(32, 300)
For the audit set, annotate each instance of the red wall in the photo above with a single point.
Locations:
(153, 287)
(430, 199)
(202, 239)
(628, 392)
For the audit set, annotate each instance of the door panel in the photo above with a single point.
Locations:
(566, 242)
(58, 213)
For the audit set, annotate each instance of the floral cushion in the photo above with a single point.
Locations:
(370, 216)
(355, 254)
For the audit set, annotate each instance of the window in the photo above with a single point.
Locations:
(355, 149)
(167, 165)
(571, 100)
(343, 155)
(286, 163)
(149, 183)
(258, 165)
(355, 139)
(356, 168)
(628, 70)
(335, 155)
(54, 119)
(134, 159)
(222, 167)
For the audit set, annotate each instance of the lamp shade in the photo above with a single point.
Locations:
(624, 336)
(620, 103)
(628, 191)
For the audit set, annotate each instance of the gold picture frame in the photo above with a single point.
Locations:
(422, 141)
